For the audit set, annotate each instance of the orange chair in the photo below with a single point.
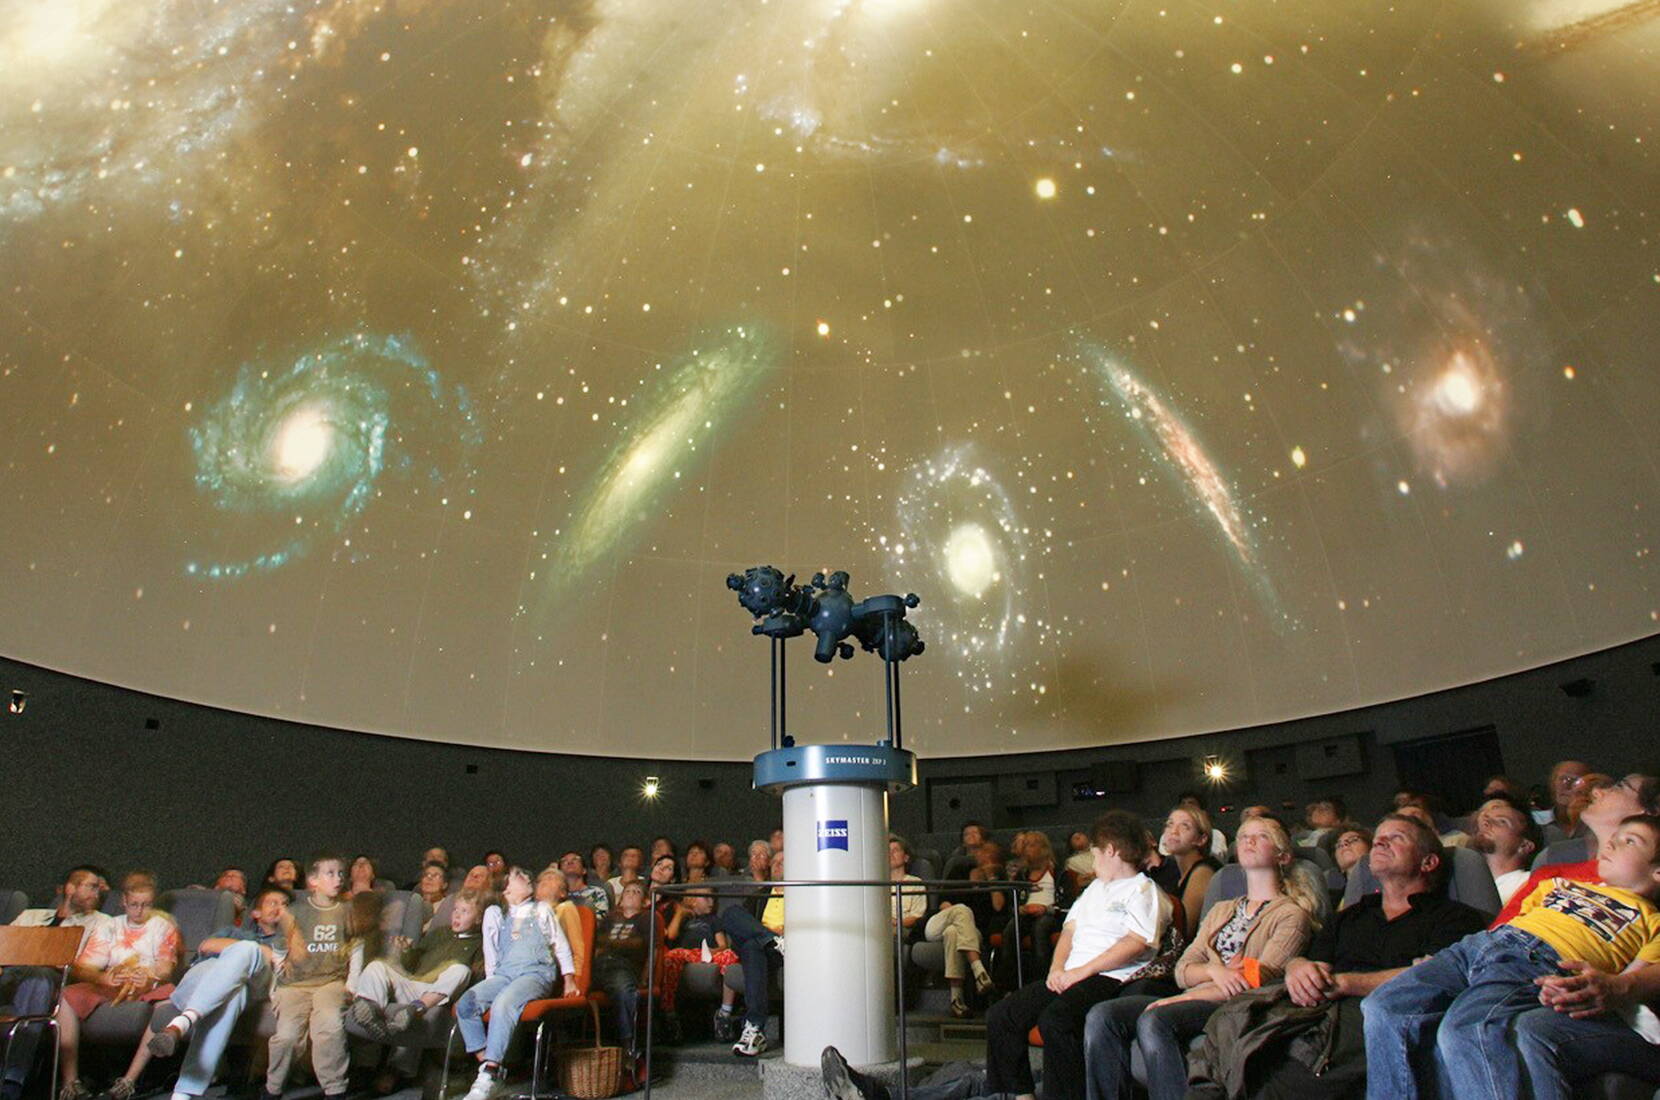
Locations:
(49, 948)
(543, 1012)
(578, 923)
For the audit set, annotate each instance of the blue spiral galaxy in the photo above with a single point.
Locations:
(295, 453)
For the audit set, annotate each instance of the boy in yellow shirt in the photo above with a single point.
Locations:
(1460, 1004)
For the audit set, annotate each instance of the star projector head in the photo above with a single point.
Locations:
(826, 608)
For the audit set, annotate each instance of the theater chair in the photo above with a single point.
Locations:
(542, 1013)
(49, 949)
(12, 902)
(1229, 882)
(198, 912)
(1468, 880)
(402, 914)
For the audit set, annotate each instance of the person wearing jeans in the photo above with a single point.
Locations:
(1112, 930)
(235, 965)
(756, 946)
(525, 951)
(1448, 1021)
(1241, 943)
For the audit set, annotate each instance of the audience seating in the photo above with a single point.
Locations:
(12, 902)
(51, 948)
(1468, 881)
(1564, 851)
(1229, 882)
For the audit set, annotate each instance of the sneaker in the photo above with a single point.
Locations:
(725, 1026)
(165, 1043)
(401, 1017)
(751, 1043)
(74, 1090)
(120, 1089)
(959, 1010)
(484, 1085)
(778, 944)
(843, 1082)
(369, 1016)
(983, 981)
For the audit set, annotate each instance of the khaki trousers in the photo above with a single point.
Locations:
(956, 927)
(314, 1015)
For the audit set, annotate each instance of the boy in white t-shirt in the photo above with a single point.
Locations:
(1112, 931)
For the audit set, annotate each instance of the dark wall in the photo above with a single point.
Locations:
(85, 779)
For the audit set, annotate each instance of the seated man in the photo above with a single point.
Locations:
(234, 881)
(1508, 837)
(234, 966)
(131, 957)
(1447, 1021)
(757, 947)
(29, 989)
(1256, 1042)
(428, 974)
(579, 890)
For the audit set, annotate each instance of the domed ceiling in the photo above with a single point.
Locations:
(424, 367)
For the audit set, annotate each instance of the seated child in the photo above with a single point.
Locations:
(393, 996)
(1445, 1023)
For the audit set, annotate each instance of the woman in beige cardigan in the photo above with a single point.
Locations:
(1241, 943)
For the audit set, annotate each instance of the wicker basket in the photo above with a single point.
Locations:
(591, 1073)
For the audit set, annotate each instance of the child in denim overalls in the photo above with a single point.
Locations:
(525, 950)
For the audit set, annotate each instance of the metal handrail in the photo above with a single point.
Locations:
(898, 887)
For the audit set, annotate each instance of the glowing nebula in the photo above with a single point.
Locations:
(958, 535)
(677, 423)
(295, 454)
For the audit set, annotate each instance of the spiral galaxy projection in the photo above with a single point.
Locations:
(296, 455)
(675, 422)
(958, 536)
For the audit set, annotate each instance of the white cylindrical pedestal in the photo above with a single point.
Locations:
(838, 965)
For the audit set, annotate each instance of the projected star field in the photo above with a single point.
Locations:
(424, 367)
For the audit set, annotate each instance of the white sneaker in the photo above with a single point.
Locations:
(751, 1043)
(778, 944)
(484, 1085)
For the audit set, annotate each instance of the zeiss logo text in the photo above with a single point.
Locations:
(832, 834)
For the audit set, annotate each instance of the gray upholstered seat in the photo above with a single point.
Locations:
(12, 902)
(1468, 881)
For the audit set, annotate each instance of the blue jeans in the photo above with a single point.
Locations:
(504, 997)
(31, 995)
(1560, 1052)
(1163, 1035)
(752, 940)
(217, 989)
(1444, 1025)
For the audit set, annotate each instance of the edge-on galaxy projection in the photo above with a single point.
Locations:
(1180, 455)
(296, 454)
(677, 420)
(960, 538)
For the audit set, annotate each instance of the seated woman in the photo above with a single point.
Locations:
(131, 957)
(284, 871)
(434, 884)
(695, 940)
(1242, 943)
(1186, 871)
(362, 876)
(1114, 929)
(1037, 912)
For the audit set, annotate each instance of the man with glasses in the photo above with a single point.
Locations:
(28, 989)
(129, 958)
